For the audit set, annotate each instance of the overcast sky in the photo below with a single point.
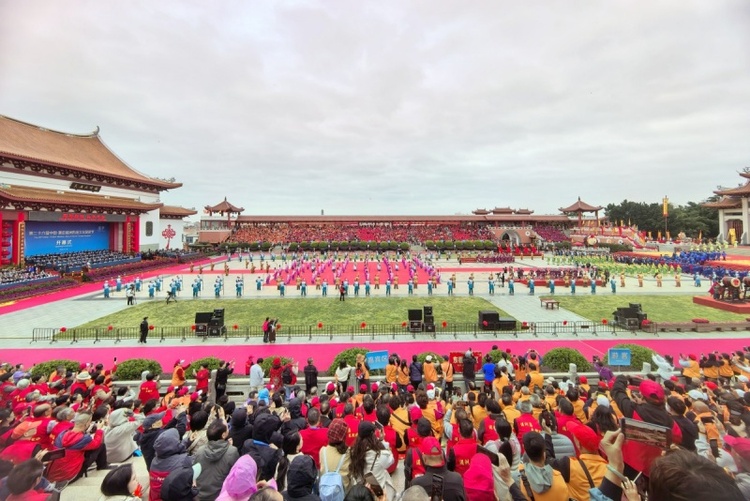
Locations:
(431, 107)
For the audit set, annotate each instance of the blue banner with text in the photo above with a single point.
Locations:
(59, 238)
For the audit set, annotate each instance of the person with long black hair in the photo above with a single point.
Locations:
(370, 453)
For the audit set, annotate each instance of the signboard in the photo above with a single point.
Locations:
(457, 359)
(54, 238)
(75, 217)
(377, 359)
(618, 356)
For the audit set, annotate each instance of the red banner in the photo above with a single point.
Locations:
(457, 359)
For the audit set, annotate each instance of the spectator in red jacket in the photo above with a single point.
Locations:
(149, 389)
(84, 445)
(201, 380)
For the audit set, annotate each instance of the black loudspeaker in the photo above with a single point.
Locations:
(491, 318)
(427, 311)
(429, 319)
(429, 327)
(203, 318)
(201, 329)
(415, 315)
(415, 326)
(214, 331)
(219, 313)
(506, 324)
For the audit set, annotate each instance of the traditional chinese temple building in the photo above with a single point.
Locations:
(62, 192)
(734, 213)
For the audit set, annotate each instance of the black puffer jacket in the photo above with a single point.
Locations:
(301, 477)
(266, 457)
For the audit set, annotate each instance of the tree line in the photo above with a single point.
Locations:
(692, 218)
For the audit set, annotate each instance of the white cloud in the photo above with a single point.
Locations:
(410, 108)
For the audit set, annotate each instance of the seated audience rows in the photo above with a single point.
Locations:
(74, 261)
(15, 275)
(550, 233)
(283, 233)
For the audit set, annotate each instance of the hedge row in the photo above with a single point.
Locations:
(557, 360)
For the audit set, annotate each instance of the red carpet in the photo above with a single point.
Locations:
(345, 270)
(325, 353)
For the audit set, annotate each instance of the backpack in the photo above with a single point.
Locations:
(286, 375)
(331, 484)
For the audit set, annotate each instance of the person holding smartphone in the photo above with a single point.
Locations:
(650, 408)
(370, 453)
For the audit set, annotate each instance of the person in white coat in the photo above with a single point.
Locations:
(665, 370)
(370, 453)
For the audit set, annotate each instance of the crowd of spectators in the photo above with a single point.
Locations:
(550, 233)
(75, 261)
(284, 233)
(15, 275)
(516, 435)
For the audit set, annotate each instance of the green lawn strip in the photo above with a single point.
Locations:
(659, 308)
(311, 311)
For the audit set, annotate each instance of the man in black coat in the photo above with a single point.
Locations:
(469, 372)
(144, 331)
(311, 376)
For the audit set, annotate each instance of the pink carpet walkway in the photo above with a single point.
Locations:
(325, 353)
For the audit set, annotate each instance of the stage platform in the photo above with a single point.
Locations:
(741, 307)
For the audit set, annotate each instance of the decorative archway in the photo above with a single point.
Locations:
(511, 237)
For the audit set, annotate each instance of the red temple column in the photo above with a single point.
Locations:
(126, 236)
(113, 236)
(19, 239)
(137, 234)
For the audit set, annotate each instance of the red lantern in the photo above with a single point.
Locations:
(445, 324)
(192, 327)
(565, 322)
(63, 329)
(403, 324)
(151, 327)
(363, 325)
(604, 321)
(278, 327)
(525, 324)
(485, 323)
(235, 326)
(110, 328)
(320, 325)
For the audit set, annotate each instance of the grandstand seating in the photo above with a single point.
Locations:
(550, 233)
(283, 233)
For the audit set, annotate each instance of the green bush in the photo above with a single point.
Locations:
(130, 370)
(266, 364)
(47, 368)
(638, 355)
(559, 359)
(497, 355)
(349, 356)
(212, 362)
(435, 357)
